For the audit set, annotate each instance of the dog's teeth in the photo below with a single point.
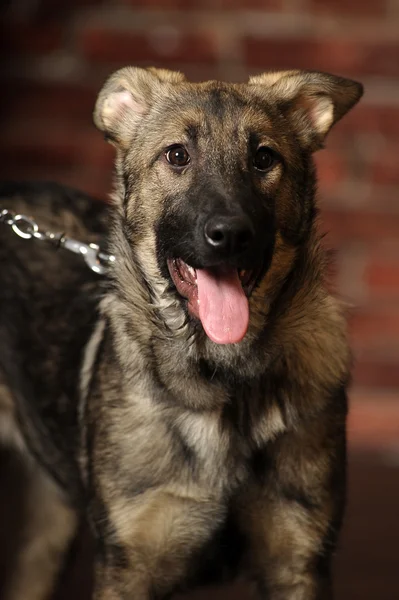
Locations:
(191, 271)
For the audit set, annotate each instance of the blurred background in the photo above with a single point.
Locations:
(56, 55)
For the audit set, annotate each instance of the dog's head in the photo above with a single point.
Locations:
(216, 181)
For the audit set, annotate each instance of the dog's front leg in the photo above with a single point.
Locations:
(293, 511)
(150, 543)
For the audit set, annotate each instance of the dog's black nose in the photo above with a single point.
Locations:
(229, 235)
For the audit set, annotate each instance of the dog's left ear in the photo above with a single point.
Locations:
(126, 98)
(312, 101)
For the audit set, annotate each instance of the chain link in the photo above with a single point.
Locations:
(27, 229)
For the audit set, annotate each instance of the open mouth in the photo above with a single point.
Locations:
(217, 296)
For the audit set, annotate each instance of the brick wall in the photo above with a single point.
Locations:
(57, 53)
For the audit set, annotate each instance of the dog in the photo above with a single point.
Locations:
(192, 402)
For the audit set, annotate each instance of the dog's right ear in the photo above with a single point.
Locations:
(312, 101)
(126, 98)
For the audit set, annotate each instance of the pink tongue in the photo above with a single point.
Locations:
(223, 305)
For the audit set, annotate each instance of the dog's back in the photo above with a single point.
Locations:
(47, 299)
(47, 311)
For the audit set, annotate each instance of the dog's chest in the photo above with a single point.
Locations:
(223, 441)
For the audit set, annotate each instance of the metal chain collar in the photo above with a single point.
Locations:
(27, 229)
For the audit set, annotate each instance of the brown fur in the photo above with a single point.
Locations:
(192, 453)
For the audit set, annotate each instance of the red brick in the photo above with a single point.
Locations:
(60, 9)
(49, 151)
(53, 145)
(95, 182)
(167, 4)
(385, 166)
(331, 168)
(366, 325)
(97, 152)
(361, 8)
(28, 39)
(386, 172)
(382, 275)
(374, 423)
(375, 332)
(365, 118)
(359, 225)
(343, 56)
(124, 47)
(376, 374)
(359, 195)
(265, 5)
(39, 100)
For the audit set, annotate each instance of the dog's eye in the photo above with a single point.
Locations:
(264, 159)
(177, 156)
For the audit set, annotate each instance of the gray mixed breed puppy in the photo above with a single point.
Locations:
(192, 403)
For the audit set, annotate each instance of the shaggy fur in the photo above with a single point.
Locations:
(192, 460)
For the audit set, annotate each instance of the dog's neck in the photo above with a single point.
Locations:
(158, 337)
